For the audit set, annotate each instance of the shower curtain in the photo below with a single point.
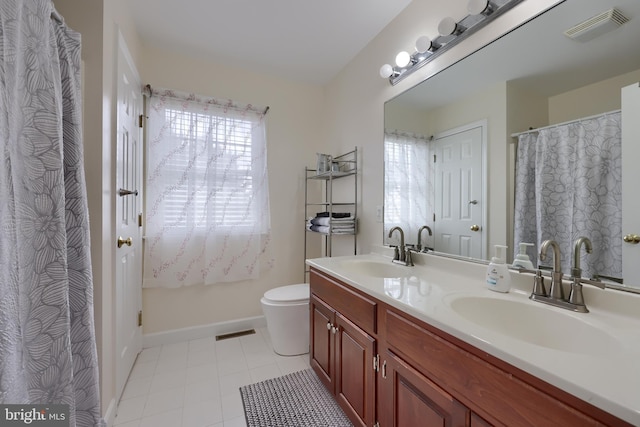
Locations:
(569, 184)
(47, 342)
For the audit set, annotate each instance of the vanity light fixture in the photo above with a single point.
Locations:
(424, 45)
(481, 12)
(449, 27)
(403, 59)
(480, 7)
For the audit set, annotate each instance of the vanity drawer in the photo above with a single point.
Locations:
(358, 308)
(497, 391)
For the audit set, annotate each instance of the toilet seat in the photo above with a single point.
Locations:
(291, 294)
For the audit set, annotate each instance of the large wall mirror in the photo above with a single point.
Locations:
(451, 144)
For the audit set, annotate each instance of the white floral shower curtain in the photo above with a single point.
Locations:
(207, 193)
(47, 342)
(568, 185)
(408, 183)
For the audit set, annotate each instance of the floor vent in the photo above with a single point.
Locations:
(235, 334)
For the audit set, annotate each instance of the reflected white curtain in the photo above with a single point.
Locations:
(408, 183)
(568, 185)
(207, 199)
(47, 340)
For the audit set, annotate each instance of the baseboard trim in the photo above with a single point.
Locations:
(110, 414)
(202, 331)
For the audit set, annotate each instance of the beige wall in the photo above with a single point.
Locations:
(294, 133)
(590, 100)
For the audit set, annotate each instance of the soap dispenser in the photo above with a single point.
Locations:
(522, 259)
(498, 276)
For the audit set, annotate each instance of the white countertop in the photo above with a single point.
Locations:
(608, 378)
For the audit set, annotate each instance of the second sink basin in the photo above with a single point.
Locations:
(538, 325)
(373, 268)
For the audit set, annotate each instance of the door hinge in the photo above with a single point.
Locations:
(434, 158)
(139, 220)
(140, 120)
(434, 216)
(140, 318)
(376, 363)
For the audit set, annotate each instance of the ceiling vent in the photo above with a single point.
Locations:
(596, 26)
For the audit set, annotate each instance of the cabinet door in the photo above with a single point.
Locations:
(355, 376)
(322, 357)
(477, 421)
(411, 399)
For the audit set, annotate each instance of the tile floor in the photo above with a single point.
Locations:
(196, 383)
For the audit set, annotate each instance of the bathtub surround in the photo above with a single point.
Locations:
(47, 346)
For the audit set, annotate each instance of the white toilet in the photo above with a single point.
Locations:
(286, 310)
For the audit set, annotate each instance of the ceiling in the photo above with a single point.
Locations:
(305, 41)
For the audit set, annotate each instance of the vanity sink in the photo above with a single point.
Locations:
(535, 324)
(380, 269)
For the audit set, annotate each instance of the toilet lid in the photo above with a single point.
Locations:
(291, 293)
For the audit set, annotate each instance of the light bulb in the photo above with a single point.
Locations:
(476, 7)
(403, 59)
(386, 71)
(423, 44)
(447, 26)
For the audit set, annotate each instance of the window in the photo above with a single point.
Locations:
(207, 204)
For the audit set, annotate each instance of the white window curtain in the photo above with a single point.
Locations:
(568, 185)
(207, 201)
(408, 185)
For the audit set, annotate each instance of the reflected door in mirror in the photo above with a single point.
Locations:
(458, 216)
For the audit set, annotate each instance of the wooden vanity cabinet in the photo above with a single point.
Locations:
(342, 349)
(424, 376)
(408, 398)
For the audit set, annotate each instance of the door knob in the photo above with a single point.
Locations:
(632, 238)
(475, 227)
(122, 241)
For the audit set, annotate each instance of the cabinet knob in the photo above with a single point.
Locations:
(328, 326)
(334, 329)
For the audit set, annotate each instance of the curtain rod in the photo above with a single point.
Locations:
(515, 135)
(148, 91)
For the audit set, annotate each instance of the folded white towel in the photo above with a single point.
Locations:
(327, 220)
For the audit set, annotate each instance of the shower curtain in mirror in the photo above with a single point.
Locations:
(569, 184)
(47, 342)
(408, 183)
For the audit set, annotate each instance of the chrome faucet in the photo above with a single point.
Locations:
(424, 227)
(576, 271)
(575, 296)
(402, 254)
(556, 291)
(556, 297)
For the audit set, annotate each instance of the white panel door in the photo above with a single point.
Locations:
(458, 226)
(630, 180)
(128, 194)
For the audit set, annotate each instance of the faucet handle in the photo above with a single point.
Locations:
(538, 285)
